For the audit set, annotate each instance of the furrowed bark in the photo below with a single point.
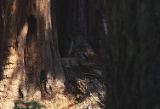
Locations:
(30, 43)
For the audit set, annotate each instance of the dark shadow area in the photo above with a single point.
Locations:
(71, 24)
(32, 27)
(43, 80)
(5, 22)
(43, 76)
(133, 55)
(80, 33)
(63, 11)
(128, 50)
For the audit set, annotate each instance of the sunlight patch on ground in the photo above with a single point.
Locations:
(9, 93)
(59, 102)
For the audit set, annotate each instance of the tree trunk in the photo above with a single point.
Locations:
(133, 54)
(30, 60)
(72, 21)
(125, 35)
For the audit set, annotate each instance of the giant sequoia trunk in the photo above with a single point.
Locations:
(29, 59)
(133, 54)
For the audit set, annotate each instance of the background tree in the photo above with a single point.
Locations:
(133, 55)
(125, 35)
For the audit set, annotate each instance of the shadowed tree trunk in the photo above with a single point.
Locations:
(133, 54)
(30, 60)
(125, 35)
(72, 20)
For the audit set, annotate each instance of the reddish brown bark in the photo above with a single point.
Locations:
(28, 36)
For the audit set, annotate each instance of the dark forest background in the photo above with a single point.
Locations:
(125, 34)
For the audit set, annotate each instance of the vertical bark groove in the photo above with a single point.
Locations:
(28, 30)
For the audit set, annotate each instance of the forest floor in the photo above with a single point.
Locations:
(85, 83)
(85, 88)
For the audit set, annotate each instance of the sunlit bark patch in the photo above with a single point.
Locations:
(7, 92)
(11, 63)
(45, 10)
(14, 8)
(13, 70)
